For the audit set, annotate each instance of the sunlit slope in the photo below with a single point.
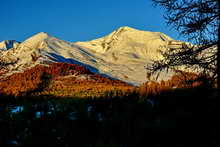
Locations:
(61, 80)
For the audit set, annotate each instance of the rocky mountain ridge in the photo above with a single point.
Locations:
(121, 55)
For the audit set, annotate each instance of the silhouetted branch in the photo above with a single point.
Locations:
(199, 22)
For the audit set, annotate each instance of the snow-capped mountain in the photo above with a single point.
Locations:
(7, 44)
(122, 55)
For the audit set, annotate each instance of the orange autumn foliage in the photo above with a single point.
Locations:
(179, 80)
(60, 79)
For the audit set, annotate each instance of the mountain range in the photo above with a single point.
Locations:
(122, 55)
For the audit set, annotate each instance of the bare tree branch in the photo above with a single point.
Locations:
(198, 20)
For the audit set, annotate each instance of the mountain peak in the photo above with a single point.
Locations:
(41, 35)
(126, 28)
(36, 39)
(127, 39)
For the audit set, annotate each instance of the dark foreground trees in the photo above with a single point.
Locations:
(175, 118)
(197, 20)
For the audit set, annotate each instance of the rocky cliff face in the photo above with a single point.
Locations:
(8, 44)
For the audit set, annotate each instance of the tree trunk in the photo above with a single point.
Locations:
(218, 54)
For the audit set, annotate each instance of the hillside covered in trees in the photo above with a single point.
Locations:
(60, 79)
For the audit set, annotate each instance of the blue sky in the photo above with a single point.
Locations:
(78, 20)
